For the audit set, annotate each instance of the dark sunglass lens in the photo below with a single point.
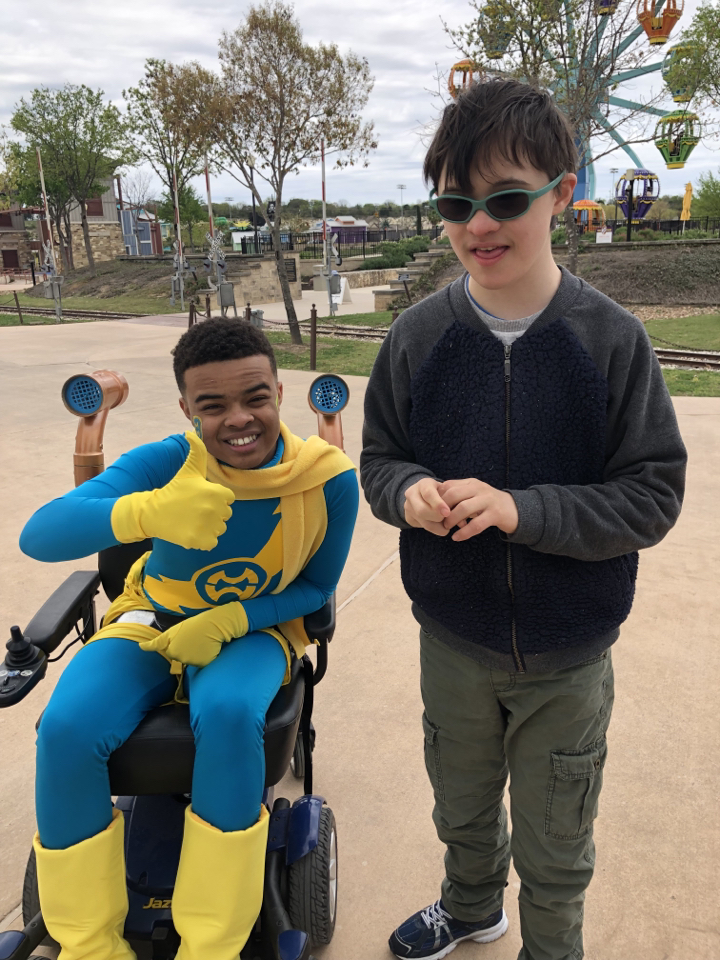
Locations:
(508, 205)
(456, 209)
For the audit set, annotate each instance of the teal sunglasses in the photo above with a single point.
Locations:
(506, 205)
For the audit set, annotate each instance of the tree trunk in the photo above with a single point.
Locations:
(285, 285)
(572, 239)
(69, 238)
(86, 237)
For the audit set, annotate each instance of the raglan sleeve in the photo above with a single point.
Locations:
(643, 485)
(387, 461)
(78, 523)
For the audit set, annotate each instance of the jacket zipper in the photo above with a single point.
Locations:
(519, 666)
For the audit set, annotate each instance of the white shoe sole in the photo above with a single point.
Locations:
(484, 936)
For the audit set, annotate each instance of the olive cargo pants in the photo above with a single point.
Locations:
(547, 731)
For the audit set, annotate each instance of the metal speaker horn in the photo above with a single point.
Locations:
(328, 396)
(91, 396)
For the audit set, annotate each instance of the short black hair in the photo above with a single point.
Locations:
(219, 339)
(500, 119)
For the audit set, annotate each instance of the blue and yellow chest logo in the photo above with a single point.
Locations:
(230, 580)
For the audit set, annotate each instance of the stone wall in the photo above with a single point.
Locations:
(257, 281)
(16, 240)
(371, 278)
(106, 242)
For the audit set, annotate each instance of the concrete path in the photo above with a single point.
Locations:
(654, 896)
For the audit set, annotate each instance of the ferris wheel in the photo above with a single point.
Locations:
(677, 131)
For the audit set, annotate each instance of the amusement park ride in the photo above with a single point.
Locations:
(677, 131)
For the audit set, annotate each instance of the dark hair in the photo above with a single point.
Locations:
(220, 339)
(500, 119)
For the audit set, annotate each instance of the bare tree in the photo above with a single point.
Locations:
(276, 100)
(138, 193)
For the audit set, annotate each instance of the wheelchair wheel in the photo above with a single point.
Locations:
(31, 898)
(297, 761)
(312, 885)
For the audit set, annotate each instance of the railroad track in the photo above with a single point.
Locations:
(80, 314)
(689, 359)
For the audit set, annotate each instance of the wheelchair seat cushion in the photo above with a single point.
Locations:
(158, 757)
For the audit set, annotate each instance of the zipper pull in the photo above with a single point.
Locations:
(508, 348)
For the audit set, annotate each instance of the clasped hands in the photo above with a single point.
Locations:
(470, 505)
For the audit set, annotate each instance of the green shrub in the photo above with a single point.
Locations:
(559, 235)
(444, 240)
(692, 235)
(396, 253)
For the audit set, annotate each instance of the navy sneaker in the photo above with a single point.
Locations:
(432, 933)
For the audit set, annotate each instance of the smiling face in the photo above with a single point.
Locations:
(512, 255)
(238, 403)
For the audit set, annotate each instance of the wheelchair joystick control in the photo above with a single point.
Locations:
(20, 652)
(23, 667)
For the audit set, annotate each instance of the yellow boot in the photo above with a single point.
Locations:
(83, 896)
(219, 888)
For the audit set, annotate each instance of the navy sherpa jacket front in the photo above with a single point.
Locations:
(575, 421)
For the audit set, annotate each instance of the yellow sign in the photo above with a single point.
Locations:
(687, 201)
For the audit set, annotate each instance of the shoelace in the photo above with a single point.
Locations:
(434, 916)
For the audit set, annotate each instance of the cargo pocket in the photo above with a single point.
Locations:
(432, 757)
(573, 791)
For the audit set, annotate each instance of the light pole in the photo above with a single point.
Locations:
(614, 172)
(401, 187)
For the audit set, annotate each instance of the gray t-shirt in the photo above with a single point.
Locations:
(507, 331)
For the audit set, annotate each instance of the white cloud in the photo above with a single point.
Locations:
(105, 45)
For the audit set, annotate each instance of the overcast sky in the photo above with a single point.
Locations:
(105, 45)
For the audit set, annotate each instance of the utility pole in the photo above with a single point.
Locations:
(401, 187)
(614, 172)
(326, 242)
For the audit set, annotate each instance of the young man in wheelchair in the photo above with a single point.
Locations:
(250, 529)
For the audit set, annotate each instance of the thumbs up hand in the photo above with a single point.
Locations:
(188, 511)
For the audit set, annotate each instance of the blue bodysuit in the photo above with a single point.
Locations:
(109, 685)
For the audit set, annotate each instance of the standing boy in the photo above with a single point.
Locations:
(519, 432)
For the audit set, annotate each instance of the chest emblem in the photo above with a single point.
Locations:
(230, 580)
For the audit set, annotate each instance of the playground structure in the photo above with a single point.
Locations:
(677, 132)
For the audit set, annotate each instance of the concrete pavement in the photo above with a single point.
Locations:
(658, 840)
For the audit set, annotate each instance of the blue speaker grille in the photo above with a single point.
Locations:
(83, 395)
(329, 394)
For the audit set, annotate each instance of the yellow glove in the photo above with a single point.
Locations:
(198, 639)
(189, 511)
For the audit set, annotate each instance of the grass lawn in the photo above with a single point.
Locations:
(702, 332)
(125, 303)
(333, 356)
(692, 383)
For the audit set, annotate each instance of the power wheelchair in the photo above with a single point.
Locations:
(151, 776)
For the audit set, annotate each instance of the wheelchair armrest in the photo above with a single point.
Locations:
(72, 601)
(320, 624)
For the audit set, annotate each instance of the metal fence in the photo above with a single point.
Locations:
(310, 245)
(673, 228)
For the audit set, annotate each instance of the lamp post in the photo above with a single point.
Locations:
(614, 172)
(401, 187)
(252, 191)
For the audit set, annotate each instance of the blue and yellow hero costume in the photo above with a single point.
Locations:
(287, 535)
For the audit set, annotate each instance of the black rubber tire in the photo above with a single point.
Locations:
(312, 885)
(31, 898)
(297, 763)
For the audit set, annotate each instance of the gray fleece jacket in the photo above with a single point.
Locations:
(575, 421)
